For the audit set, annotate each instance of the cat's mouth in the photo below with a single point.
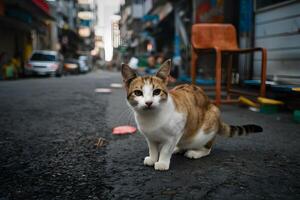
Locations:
(148, 108)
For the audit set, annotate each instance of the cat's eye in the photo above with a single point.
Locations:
(138, 93)
(156, 92)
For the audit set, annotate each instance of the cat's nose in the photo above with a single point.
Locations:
(148, 103)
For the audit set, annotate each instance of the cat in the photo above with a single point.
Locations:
(180, 120)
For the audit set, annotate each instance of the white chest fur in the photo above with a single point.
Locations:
(161, 124)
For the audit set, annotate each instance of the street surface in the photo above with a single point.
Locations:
(49, 128)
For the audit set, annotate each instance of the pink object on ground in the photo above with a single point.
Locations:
(121, 130)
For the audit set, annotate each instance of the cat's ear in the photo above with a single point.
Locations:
(164, 70)
(128, 74)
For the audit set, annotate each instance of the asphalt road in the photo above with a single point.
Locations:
(49, 128)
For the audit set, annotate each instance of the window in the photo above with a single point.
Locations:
(42, 57)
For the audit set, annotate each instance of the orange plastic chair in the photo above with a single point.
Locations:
(221, 38)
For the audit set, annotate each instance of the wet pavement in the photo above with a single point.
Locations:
(49, 128)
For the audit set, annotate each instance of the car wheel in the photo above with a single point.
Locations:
(27, 74)
(58, 73)
(64, 72)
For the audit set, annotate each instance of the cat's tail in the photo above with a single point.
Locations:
(231, 131)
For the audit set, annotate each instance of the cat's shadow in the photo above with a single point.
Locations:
(180, 162)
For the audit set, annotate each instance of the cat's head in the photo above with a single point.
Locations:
(146, 93)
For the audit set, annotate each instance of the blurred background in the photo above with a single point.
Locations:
(69, 27)
(102, 31)
(61, 37)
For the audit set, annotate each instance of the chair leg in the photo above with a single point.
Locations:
(263, 72)
(218, 76)
(194, 66)
(229, 75)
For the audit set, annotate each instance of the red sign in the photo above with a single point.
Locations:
(42, 5)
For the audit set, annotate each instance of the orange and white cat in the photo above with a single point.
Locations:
(182, 119)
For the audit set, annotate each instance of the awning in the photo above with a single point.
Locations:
(12, 23)
(38, 8)
(42, 5)
(43, 9)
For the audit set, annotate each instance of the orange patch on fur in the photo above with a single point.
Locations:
(200, 112)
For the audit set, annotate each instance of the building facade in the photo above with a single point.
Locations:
(165, 26)
(24, 26)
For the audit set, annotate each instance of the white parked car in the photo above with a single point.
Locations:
(44, 62)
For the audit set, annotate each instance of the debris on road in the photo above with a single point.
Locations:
(248, 102)
(122, 130)
(254, 109)
(269, 106)
(268, 101)
(101, 142)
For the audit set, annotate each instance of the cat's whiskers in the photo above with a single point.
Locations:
(123, 116)
(132, 120)
(130, 117)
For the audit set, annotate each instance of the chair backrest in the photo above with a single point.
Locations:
(206, 36)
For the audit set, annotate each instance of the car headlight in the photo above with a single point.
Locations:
(54, 66)
(70, 65)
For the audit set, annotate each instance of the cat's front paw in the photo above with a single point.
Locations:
(148, 161)
(161, 166)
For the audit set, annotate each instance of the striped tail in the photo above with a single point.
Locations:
(231, 131)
